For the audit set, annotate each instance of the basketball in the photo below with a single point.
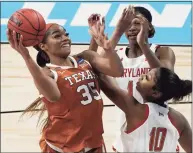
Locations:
(28, 23)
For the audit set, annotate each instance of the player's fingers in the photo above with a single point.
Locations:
(103, 20)
(123, 13)
(10, 38)
(15, 40)
(103, 25)
(98, 26)
(140, 18)
(92, 33)
(21, 42)
(91, 16)
(133, 10)
(97, 17)
(90, 21)
(106, 36)
(129, 12)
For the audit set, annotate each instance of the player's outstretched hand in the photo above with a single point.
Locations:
(127, 16)
(96, 29)
(142, 36)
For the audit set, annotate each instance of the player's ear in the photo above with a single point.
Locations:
(156, 94)
(43, 47)
(151, 30)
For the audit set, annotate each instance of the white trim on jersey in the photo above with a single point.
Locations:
(61, 151)
(64, 67)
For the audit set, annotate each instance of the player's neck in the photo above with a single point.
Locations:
(61, 61)
(134, 51)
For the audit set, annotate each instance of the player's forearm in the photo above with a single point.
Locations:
(93, 45)
(117, 33)
(114, 41)
(114, 63)
(111, 89)
(43, 83)
(150, 56)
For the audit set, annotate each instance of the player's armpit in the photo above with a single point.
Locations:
(48, 72)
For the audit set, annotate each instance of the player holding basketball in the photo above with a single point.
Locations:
(153, 126)
(138, 57)
(70, 89)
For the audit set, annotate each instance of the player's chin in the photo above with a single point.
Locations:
(132, 38)
(66, 48)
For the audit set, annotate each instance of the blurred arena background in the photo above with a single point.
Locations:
(17, 88)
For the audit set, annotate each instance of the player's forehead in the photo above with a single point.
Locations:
(153, 73)
(138, 16)
(57, 28)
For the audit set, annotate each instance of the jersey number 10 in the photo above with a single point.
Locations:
(157, 139)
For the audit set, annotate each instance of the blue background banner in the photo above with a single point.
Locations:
(172, 20)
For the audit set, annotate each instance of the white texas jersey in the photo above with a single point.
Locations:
(155, 134)
(133, 69)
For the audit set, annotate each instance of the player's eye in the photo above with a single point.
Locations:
(136, 23)
(146, 77)
(57, 36)
(67, 34)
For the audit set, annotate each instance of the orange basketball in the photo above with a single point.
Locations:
(28, 23)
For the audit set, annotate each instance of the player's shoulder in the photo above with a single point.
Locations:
(81, 62)
(177, 119)
(163, 49)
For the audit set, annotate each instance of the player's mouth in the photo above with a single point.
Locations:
(134, 35)
(65, 45)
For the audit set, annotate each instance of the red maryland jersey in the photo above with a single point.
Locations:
(75, 121)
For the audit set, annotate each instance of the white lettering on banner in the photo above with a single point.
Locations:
(86, 9)
(173, 15)
(48, 6)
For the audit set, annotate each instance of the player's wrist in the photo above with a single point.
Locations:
(27, 58)
(144, 45)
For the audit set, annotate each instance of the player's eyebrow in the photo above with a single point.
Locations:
(58, 31)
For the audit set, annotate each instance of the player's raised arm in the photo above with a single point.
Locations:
(119, 97)
(127, 16)
(111, 63)
(125, 20)
(91, 22)
(166, 55)
(44, 83)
